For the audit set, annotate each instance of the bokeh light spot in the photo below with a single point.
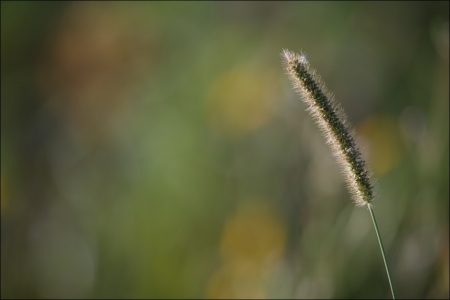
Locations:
(384, 148)
(238, 101)
(3, 194)
(252, 244)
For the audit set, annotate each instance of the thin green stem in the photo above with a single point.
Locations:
(382, 249)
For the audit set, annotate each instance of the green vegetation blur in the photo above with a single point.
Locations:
(158, 150)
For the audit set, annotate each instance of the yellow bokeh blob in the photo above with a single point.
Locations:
(254, 234)
(3, 194)
(226, 283)
(238, 101)
(252, 244)
(384, 142)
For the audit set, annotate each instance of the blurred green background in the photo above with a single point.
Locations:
(157, 149)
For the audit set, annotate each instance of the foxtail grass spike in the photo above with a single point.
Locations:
(331, 120)
(338, 134)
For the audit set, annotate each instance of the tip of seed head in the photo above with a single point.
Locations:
(288, 55)
(292, 57)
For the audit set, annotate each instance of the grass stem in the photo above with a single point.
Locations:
(372, 214)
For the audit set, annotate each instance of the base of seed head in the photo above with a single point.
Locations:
(332, 121)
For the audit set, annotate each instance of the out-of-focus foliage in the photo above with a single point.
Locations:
(156, 149)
